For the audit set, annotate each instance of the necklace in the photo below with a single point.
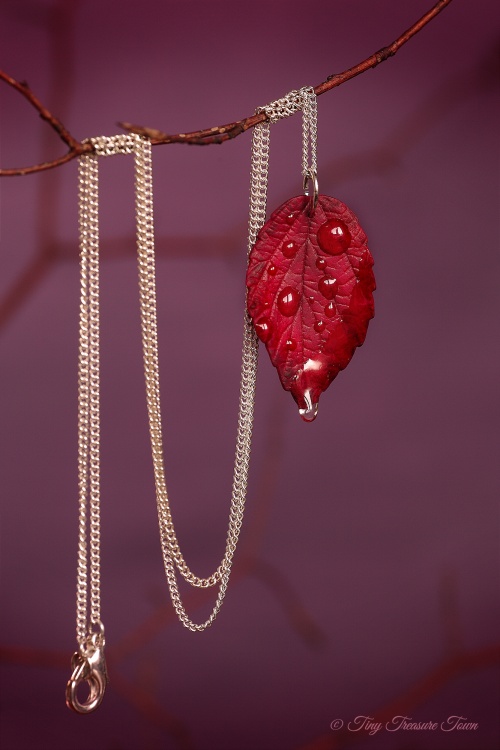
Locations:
(308, 233)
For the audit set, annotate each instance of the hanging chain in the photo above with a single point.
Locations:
(309, 145)
(88, 662)
(88, 403)
(172, 556)
(309, 133)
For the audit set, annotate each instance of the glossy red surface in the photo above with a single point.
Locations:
(292, 243)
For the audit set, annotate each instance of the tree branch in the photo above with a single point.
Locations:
(217, 134)
(75, 147)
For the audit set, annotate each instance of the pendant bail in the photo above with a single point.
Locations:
(309, 145)
(311, 178)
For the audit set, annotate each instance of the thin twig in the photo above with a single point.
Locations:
(25, 90)
(217, 134)
(75, 147)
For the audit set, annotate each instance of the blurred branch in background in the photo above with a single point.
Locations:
(141, 696)
(457, 661)
(139, 693)
(59, 21)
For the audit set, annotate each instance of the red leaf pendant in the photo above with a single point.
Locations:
(310, 284)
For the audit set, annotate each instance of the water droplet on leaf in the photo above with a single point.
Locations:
(288, 301)
(330, 309)
(263, 329)
(289, 249)
(320, 264)
(334, 237)
(327, 287)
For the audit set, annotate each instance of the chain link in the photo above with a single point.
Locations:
(88, 370)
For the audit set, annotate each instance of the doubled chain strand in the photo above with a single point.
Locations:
(309, 133)
(172, 556)
(88, 402)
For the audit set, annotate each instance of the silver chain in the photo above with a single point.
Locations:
(309, 133)
(172, 556)
(89, 625)
(88, 403)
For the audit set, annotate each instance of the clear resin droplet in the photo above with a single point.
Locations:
(310, 413)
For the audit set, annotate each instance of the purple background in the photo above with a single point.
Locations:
(369, 552)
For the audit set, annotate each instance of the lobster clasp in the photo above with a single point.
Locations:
(89, 666)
